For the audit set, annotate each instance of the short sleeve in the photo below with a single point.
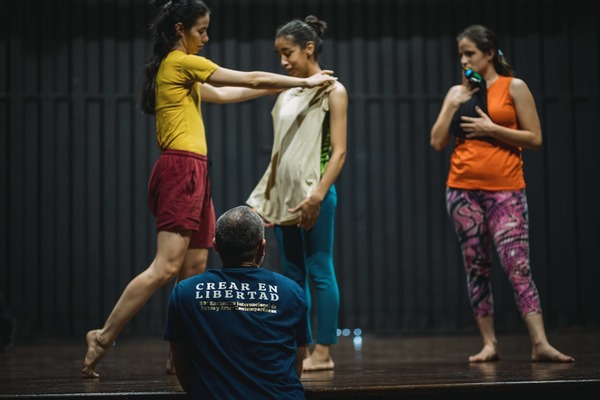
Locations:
(198, 68)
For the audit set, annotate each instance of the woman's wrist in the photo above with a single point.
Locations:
(315, 198)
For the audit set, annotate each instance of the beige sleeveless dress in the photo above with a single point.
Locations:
(294, 169)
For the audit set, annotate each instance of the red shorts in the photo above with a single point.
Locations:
(179, 196)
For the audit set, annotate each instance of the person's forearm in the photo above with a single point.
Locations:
(518, 138)
(231, 94)
(440, 132)
(222, 77)
(265, 80)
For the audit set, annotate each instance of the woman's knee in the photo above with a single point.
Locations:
(166, 270)
(194, 264)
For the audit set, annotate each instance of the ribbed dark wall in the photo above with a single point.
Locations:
(76, 154)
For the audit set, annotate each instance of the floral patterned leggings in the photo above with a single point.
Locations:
(480, 215)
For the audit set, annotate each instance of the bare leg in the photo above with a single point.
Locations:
(489, 352)
(541, 349)
(319, 360)
(169, 258)
(194, 264)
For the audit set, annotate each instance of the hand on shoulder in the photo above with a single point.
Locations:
(337, 91)
(321, 78)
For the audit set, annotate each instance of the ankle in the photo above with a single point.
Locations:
(321, 351)
(101, 340)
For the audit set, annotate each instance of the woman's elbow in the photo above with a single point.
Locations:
(437, 144)
(340, 158)
(438, 139)
(534, 143)
(254, 80)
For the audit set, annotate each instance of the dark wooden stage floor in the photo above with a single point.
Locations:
(394, 367)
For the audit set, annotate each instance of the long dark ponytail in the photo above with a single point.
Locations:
(164, 38)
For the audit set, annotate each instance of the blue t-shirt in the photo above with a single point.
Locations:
(241, 327)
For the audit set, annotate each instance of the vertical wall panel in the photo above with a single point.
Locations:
(584, 45)
(78, 137)
(108, 201)
(562, 208)
(43, 238)
(408, 258)
(96, 299)
(560, 145)
(5, 121)
(61, 240)
(5, 273)
(587, 212)
(124, 220)
(77, 154)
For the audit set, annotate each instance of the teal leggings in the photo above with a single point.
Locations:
(307, 258)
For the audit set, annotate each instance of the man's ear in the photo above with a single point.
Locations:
(263, 244)
(215, 245)
(261, 250)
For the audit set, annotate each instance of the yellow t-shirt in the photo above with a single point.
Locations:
(179, 124)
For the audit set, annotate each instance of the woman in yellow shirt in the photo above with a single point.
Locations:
(176, 80)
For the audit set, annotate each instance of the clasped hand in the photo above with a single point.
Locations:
(477, 127)
(309, 212)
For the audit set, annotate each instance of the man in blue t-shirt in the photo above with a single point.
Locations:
(239, 332)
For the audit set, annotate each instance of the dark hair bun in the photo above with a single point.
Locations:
(318, 25)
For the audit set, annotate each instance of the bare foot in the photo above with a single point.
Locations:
(313, 363)
(95, 352)
(488, 353)
(547, 353)
(170, 367)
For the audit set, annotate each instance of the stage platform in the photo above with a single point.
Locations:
(374, 367)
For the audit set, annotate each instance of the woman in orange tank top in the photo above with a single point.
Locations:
(492, 116)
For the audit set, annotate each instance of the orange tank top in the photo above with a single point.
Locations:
(489, 165)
